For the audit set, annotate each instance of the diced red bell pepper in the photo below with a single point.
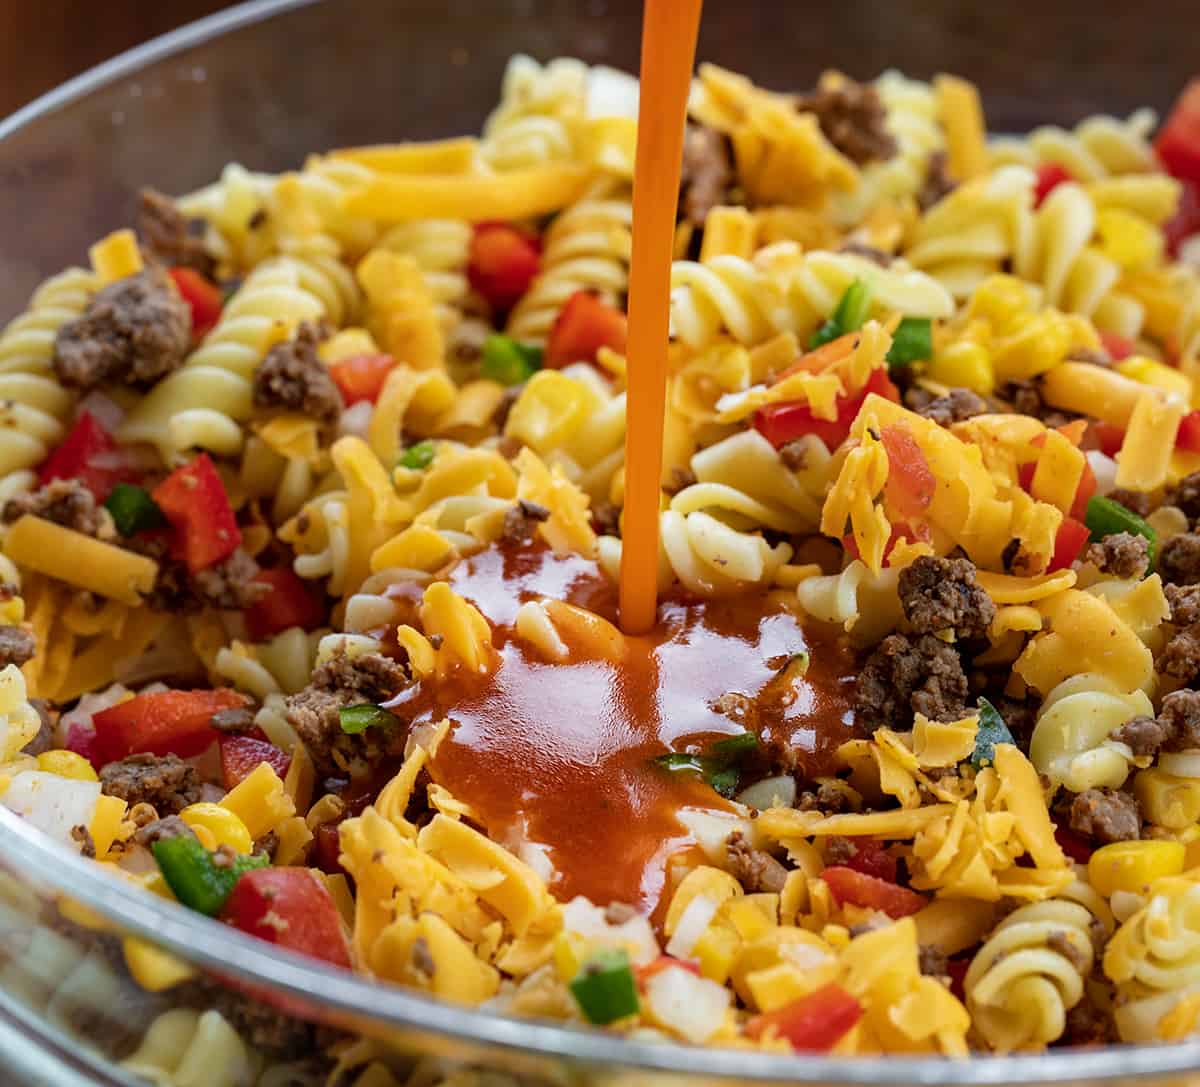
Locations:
(89, 454)
(663, 962)
(1178, 141)
(783, 423)
(872, 859)
(1110, 438)
(1188, 437)
(1068, 542)
(584, 325)
(871, 892)
(291, 908)
(83, 742)
(1084, 492)
(242, 753)
(203, 298)
(1049, 176)
(502, 262)
(193, 499)
(1185, 223)
(910, 484)
(1118, 347)
(1072, 845)
(161, 723)
(813, 1023)
(291, 602)
(361, 377)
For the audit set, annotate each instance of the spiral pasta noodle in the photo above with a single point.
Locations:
(1097, 148)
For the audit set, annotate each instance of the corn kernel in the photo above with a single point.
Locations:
(1151, 372)
(222, 825)
(1000, 299)
(1032, 345)
(116, 256)
(1132, 866)
(964, 364)
(152, 968)
(1128, 239)
(66, 764)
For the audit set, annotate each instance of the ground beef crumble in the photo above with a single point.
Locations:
(165, 782)
(1138, 502)
(707, 175)
(521, 521)
(906, 675)
(825, 798)
(1187, 496)
(1180, 657)
(1179, 559)
(932, 962)
(1106, 815)
(292, 377)
(1121, 555)
(943, 594)
(169, 237)
(867, 252)
(955, 407)
(134, 331)
(853, 118)
(44, 740)
(17, 645)
(66, 502)
(1142, 735)
(228, 584)
(938, 183)
(755, 870)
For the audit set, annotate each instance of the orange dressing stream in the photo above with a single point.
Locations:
(561, 754)
(669, 33)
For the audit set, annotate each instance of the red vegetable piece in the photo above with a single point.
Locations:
(193, 499)
(910, 484)
(1068, 542)
(1084, 492)
(361, 377)
(502, 263)
(1178, 141)
(872, 859)
(1075, 847)
(813, 1023)
(292, 602)
(242, 753)
(161, 723)
(1118, 347)
(871, 892)
(1188, 437)
(203, 298)
(89, 454)
(584, 325)
(328, 849)
(1049, 176)
(1186, 221)
(957, 969)
(83, 742)
(820, 358)
(1109, 437)
(291, 908)
(783, 423)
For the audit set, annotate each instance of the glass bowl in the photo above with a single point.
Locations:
(264, 84)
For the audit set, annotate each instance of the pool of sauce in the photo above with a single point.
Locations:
(561, 754)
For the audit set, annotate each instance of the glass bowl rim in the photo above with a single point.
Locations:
(215, 946)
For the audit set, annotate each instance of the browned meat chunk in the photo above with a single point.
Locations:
(755, 870)
(943, 594)
(17, 645)
(868, 252)
(904, 676)
(159, 830)
(1180, 657)
(165, 782)
(293, 378)
(954, 407)
(170, 237)
(44, 740)
(707, 174)
(237, 719)
(852, 117)
(1138, 502)
(827, 798)
(1179, 559)
(1088, 1025)
(522, 520)
(1180, 714)
(1143, 735)
(1185, 604)
(1106, 815)
(66, 502)
(346, 681)
(1122, 555)
(228, 584)
(932, 962)
(1187, 496)
(938, 183)
(134, 332)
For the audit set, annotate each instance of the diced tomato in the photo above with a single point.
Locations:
(910, 483)
(291, 602)
(1186, 221)
(1188, 437)
(291, 908)
(900, 532)
(1178, 141)
(813, 1023)
(502, 263)
(89, 454)
(193, 499)
(161, 723)
(872, 859)
(1049, 176)
(203, 298)
(83, 742)
(361, 377)
(1072, 845)
(1084, 492)
(871, 892)
(1118, 347)
(584, 325)
(820, 358)
(783, 423)
(1069, 541)
(242, 753)
(1109, 437)
(1087, 479)
(663, 962)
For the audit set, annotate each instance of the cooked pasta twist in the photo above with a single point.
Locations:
(1096, 148)
(440, 247)
(865, 605)
(235, 208)
(186, 1048)
(528, 126)
(282, 665)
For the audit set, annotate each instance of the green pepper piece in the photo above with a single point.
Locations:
(132, 509)
(194, 879)
(1105, 517)
(356, 719)
(911, 342)
(604, 988)
(725, 781)
(680, 762)
(992, 731)
(848, 316)
(734, 747)
(418, 456)
(509, 361)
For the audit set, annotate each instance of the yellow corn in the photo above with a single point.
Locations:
(999, 299)
(116, 256)
(66, 764)
(1132, 866)
(1128, 239)
(152, 968)
(964, 364)
(1152, 372)
(716, 949)
(224, 827)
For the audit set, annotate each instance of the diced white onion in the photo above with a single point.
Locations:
(770, 793)
(691, 1006)
(711, 829)
(635, 934)
(1183, 764)
(356, 419)
(692, 924)
(51, 803)
(1104, 468)
(87, 706)
(104, 409)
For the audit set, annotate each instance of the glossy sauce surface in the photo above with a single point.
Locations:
(560, 754)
